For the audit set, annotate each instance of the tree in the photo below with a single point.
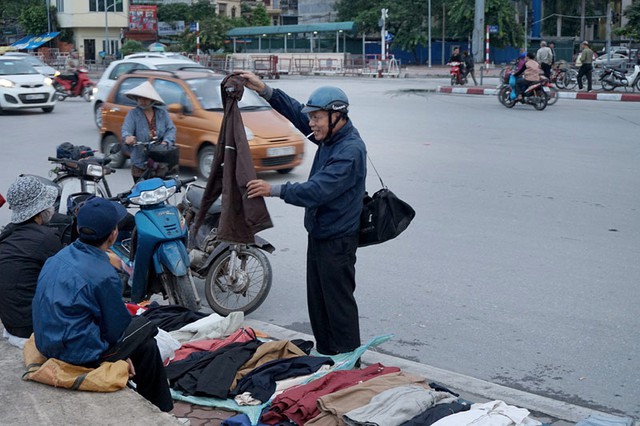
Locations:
(131, 46)
(33, 19)
(497, 12)
(632, 28)
(213, 32)
(172, 12)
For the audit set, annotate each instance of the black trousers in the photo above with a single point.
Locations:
(333, 311)
(139, 345)
(585, 70)
(546, 68)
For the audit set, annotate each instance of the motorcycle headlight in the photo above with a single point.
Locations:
(57, 73)
(48, 81)
(156, 196)
(94, 90)
(6, 83)
(95, 170)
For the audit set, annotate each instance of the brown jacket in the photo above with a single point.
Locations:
(241, 217)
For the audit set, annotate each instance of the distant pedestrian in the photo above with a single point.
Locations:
(469, 65)
(544, 57)
(552, 46)
(586, 60)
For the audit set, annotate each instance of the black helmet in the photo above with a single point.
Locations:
(327, 98)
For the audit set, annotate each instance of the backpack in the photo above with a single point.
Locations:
(73, 152)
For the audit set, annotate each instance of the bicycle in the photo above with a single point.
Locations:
(86, 175)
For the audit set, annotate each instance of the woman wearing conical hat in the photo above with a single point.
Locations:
(144, 123)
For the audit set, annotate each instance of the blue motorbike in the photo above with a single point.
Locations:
(154, 254)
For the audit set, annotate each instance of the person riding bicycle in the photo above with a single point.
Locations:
(146, 122)
(530, 71)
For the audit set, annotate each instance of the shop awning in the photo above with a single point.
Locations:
(348, 26)
(33, 42)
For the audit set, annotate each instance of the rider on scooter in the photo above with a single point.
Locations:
(71, 66)
(456, 57)
(530, 71)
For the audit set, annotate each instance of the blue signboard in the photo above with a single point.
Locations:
(493, 29)
(33, 42)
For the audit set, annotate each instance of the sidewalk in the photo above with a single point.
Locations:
(29, 403)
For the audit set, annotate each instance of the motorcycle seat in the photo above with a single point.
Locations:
(194, 196)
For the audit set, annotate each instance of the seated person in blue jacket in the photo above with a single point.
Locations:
(25, 244)
(332, 199)
(78, 313)
(147, 121)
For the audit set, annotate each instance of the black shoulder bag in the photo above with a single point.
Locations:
(384, 216)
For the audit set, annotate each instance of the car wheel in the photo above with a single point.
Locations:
(47, 109)
(206, 157)
(117, 159)
(285, 171)
(97, 114)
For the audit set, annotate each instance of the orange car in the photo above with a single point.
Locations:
(195, 105)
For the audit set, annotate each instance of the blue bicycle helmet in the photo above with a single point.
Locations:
(327, 98)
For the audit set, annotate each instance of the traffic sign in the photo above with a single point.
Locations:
(494, 29)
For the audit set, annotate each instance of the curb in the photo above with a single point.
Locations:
(619, 97)
(465, 385)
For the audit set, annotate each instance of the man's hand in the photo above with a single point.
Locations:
(258, 188)
(132, 370)
(252, 81)
(130, 140)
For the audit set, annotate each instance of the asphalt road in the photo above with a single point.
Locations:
(522, 264)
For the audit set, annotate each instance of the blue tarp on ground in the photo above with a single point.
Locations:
(33, 42)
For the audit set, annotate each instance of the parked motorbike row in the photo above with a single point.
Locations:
(156, 251)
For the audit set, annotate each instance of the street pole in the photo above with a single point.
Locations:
(608, 52)
(429, 35)
(526, 23)
(478, 31)
(48, 7)
(444, 14)
(106, 31)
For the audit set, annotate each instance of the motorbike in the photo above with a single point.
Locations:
(613, 77)
(153, 254)
(66, 89)
(456, 74)
(534, 95)
(237, 276)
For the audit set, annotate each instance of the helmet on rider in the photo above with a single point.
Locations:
(327, 98)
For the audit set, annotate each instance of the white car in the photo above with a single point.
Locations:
(21, 86)
(142, 61)
(40, 66)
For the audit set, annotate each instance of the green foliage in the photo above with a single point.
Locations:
(213, 31)
(33, 19)
(256, 16)
(172, 12)
(131, 46)
(497, 12)
(632, 29)
(201, 11)
(66, 35)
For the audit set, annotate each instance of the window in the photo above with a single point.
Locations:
(60, 5)
(99, 5)
(128, 84)
(125, 68)
(233, 12)
(172, 93)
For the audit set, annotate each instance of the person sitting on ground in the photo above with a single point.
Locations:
(528, 73)
(25, 244)
(147, 121)
(78, 313)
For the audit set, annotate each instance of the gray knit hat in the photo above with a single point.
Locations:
(28, 196)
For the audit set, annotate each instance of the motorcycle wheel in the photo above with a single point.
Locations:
(606, 85)
(552, 95)
(541, 99)
(179, 290)
(505, 97)
(637, 85)
(454, 80)
(248, 291)
(87, 92)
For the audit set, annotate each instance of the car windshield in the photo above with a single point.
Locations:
(207, 90)
(32, 61)
(11, 67)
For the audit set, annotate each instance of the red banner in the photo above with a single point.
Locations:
(143, 18)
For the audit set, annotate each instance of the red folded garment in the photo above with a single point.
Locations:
(241, 335)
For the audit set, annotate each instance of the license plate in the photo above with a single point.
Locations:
(31, 97)
(281, 151)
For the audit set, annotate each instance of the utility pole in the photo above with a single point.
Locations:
(526, 25)
(608, 32)
(48, 6)
(478, 32)
(444, 18)
(429, 35)
(582, 14)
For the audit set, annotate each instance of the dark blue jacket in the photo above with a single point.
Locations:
(78, 311)
(332, 196)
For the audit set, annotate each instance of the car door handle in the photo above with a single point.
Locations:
(114, 110)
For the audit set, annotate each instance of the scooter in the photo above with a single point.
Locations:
(154, 253)
(534, 95)
(66, 89)
(237, 276)
(613, 77)
(456, 74)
